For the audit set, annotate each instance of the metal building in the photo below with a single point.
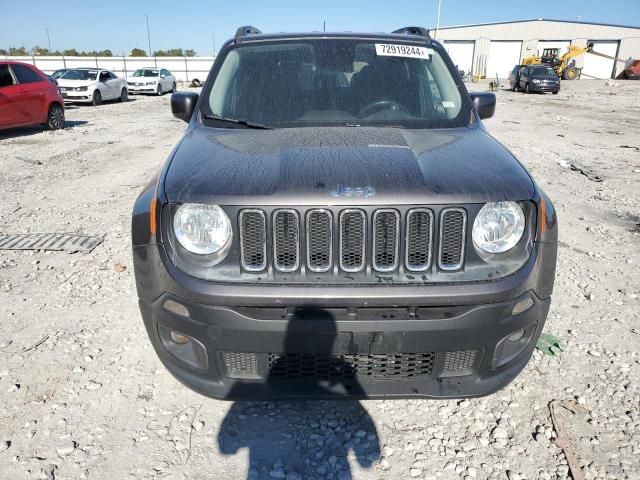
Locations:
(495, 48)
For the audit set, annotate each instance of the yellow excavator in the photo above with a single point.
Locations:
(563, 66)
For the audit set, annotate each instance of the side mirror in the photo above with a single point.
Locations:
(484, 103)
(183, 104)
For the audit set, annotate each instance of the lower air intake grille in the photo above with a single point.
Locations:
(319, 240)
(253, 250)
(240, 365)
(459, 361)
(385, 240)
(419, 233)
(325, 366)
(352, 229)
(453, 225)
(285, 240)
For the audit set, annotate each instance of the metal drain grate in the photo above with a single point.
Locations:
(68, 242)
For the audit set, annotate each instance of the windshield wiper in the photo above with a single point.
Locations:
(234, 121)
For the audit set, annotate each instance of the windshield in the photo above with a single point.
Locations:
(58, 73)
(543, 72)
(337, 82)
(145, 73)
(80, 75)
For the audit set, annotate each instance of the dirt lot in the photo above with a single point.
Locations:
(82, 394)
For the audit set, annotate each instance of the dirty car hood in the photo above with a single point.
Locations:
(342, 166)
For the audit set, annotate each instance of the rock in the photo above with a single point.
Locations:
(4, 445)
(277, 473)
(13, 388)
(415, 472)
(293, 476)
(66, 448)
(499, 432)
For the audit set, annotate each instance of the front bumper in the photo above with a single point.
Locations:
(544, 88)
(142, 88)
(77, 97)
(439, 352)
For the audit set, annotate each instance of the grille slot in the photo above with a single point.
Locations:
(386, 224)
(319, 240)
(419, 239)
(253, 240)
(286, 240)
(326, 366)
(352, 240)
(453, 227)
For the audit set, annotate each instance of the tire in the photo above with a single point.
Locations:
(527, 89)
(174, 88)
(555, 93)
(97, 98)
(159, 91)
(55, 117)
(570, 73)
(516, 86)
(124, 95)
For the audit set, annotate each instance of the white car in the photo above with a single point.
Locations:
(151, 80)
(92, 85)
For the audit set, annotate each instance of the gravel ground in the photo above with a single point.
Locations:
(82, 394)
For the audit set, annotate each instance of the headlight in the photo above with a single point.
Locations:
(535, 80)
(80, 89)
(498, 227)
(201, 229)
(150, 83)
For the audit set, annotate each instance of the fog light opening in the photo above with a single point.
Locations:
(516, 336)
(522, 306)
(511, 346)
(185, 348)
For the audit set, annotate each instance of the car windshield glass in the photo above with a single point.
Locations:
(80, 75)
(145, 73)
(543, 72)
(347, 82)
(57, 74)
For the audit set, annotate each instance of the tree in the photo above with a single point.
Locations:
(20, 51)
(37, 50)
(190, 53)
(105, 53)
(138, 52)
(71, 52)
(3, 51)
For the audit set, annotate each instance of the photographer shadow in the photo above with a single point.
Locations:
(302, 438)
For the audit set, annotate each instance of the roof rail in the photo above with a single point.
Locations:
(247, 30)
(420, 31)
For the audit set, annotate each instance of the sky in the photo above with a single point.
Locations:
(121, 25)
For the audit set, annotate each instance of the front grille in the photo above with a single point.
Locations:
(326, 366)
(253, 249)
(292, 240)
(352, 242)
(385, 240)
(419, 239)
(453, 226)
(286, 233)
(319, 240)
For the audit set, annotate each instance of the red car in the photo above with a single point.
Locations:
(27, 97)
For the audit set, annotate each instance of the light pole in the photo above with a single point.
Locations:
(48, 38)
(438, 19)
(148, 34)
(213, 37)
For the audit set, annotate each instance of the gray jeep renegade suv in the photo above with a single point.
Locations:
(337, 222)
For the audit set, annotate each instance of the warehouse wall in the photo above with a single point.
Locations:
(533, 31)
(184, 68)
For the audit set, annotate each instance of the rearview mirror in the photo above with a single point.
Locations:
(484, 103)
(183, 104)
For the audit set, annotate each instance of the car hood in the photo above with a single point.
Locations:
(63, 82)
(343, 166)
(546, 77)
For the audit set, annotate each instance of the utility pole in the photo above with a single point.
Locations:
(324, 26)
(213, 36)
(148, 34)
(438, 19)
(48, 38)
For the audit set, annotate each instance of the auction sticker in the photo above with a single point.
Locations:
(408, 51)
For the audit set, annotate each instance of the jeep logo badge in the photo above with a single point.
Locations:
(343, 191)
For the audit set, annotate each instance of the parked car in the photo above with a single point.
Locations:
(151, 80)
(514, 78)
(27, 97)
(538, 78)
(365, 237)
(92, 85)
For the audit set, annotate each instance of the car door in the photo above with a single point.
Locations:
(116, 84)
(34, 89)
(524, 72)
(11, 111)
(167, 83)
